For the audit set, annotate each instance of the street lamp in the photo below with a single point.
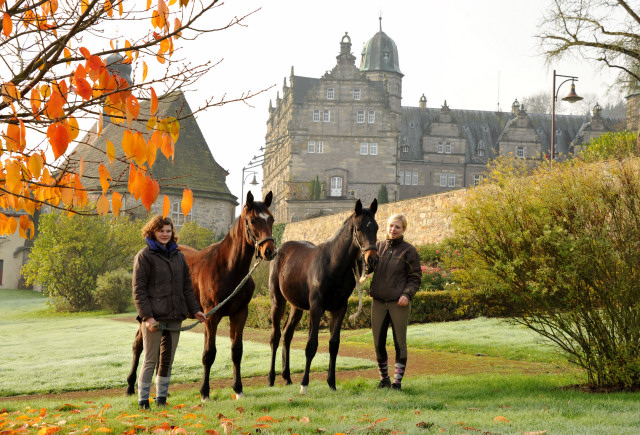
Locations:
(572, 97)
(253, 182)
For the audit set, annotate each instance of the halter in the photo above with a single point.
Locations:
(366, 248)
(254, 239)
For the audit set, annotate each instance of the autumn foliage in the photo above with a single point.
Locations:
(56, 84)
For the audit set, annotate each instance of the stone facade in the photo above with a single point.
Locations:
(14, 252)
(429, 220)
(349, 129)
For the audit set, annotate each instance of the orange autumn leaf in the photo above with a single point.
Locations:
(211, 432)
(9, 92)
(108, 7)
(103, 429)
(13, 176)
(53, 108)
(58, 136)
(151, 154)
(166, 147)
(102, 206)
(85, 52)
(13, 136)
(48, 430)
(116, 203)
(72, 127)
(154, 102)
(189, 416)
(502, 419)
(111, 151)
(166, 208)
(187, 201)
(145, 69)
(83, 88)
(7, 25)
(266, 417)
(139, 149)
(105, 176)
(150, 193)
(177, 24)
(127, 143)
(26, 224)
(10, 228)
(35, 101)
(132, 109)
(84, 4)
(35, 164)
(28, 18)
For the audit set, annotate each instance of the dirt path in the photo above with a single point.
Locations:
(421, 362)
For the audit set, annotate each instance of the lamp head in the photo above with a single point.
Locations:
(572, 97)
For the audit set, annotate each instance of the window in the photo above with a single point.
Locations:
(364, 148)
(372, 117)
(326, 115)
(414, 178)
(480, 150)
(440, 148)
(336, 186)
(452, 180)
(476, 179)
(360, 117)
(356, 94)
(178, 218)
(373, 148)
(311, 147)
(320, 147)
(412, 124)
(520, 152)
(316, 115)
(401, 177)
(447, 148)
(329, 93)
(407, 178)
(443, 180)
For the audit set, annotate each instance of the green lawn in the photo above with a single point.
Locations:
(46, 352)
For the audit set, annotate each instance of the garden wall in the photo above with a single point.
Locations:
(429, 220)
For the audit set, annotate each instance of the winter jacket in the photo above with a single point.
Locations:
(162, 285)
(398, 271)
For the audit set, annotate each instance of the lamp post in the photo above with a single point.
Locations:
(253, 182)
(572, 97)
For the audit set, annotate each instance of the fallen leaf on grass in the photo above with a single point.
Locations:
(424, 425)
(502, 419)
(304, 419)
(189, 416)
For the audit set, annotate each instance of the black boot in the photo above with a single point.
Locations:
(384, 383)
(143, 404)
(161, 401)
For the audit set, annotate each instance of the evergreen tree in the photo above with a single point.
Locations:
(383, 194)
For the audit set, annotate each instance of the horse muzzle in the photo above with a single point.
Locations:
(266, 248)
(370, 260)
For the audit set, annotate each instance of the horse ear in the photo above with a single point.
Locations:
(267, 199)
(358, 208)
(374, 206)
(249, 202)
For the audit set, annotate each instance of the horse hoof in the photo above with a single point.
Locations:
(204, 399)
(303, 389)
(239, 396)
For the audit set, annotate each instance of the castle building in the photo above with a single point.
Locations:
(349, 131)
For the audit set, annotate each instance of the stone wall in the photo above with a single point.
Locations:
(429, 220)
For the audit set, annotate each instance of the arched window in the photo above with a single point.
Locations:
(336, 186)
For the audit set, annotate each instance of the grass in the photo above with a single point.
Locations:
(481, 403)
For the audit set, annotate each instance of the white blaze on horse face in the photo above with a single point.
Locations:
(264, 216)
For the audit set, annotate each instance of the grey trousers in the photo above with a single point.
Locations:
(159, 351)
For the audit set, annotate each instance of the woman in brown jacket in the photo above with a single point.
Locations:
(162, 292)
(395, 281)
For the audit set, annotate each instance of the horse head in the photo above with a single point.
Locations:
(365, 229)
(259, 223)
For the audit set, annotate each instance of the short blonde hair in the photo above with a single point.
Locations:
(398, 217)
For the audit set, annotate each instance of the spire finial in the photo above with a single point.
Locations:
(380, 18)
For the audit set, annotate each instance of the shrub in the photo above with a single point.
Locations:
(616, 145)
(113, 291)
(277, 231)
(260, 277)
(70, 252)
(196, 236)
(560, 253)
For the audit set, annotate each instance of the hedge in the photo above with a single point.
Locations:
(426, 306)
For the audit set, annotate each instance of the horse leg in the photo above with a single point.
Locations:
(315, 314)
(294, 318)
(236, 327)
(209, 353)
(137, 351)
(334, 343)
(278, 305)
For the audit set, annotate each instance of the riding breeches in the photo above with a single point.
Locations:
(159, 347)
(384, 314)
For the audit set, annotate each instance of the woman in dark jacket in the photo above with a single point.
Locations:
(395, 281)
(162, 292)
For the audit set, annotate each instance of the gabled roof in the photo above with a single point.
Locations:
(193, 166)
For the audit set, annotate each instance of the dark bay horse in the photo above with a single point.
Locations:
(215, 273)
(318, 279)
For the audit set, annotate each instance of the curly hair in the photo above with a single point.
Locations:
(155, 224)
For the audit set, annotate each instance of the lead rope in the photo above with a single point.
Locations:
(217, 307)
(359, 280)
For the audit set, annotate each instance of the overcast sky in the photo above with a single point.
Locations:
(475, 54)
